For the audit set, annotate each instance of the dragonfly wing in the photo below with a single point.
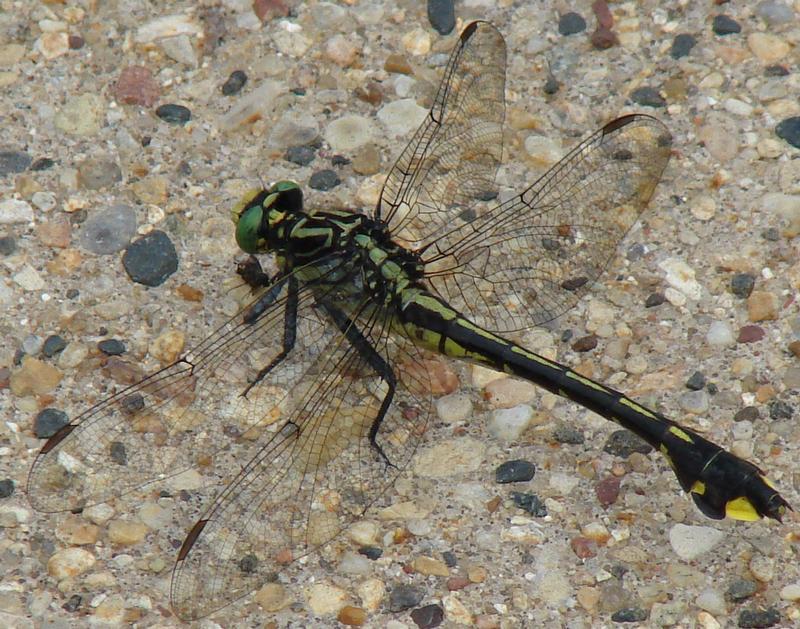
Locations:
(453, 157)
(176, 418)
(562, 231)
(311, 477)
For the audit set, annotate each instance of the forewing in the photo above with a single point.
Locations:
(453, 157)
(530, 259)
(313, 476)
(176, 418)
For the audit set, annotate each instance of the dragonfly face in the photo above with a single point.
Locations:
(260, 211)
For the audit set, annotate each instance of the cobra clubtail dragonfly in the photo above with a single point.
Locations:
(327, 373)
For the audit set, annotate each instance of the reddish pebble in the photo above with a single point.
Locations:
(607, 491)
(750, 334)
(603, 38)
(603, 14)
(267, 10)
(457, 583)
(583, 547)
(75, 42)
(136, 86)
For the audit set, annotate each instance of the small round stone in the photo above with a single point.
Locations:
(568, 435)
(48, 422)
(696, 381)
(111, 347)
(174, 114)
(300, 155)
(778, 409)
(404, 597)
(73, 604)
(151, 259)
(629, 614)
(647, 97)
(6, 487)
(585, 343)
(725, 25)
(759, 618)
(623, 443)
(774, 12)
(43, 163)
(324, 180)
(53, 344)
(742, 284)
(108, 231)
(789, 130)
(428, 616)
(654, 299)
(748, 413)
(8, 245)
(442, 16)
(12, 162)
(515, 471)
(571, 23)
(682, 45)
(690, 542)
(236, 81)
(740, 590)
(750, 334)
(371, 552)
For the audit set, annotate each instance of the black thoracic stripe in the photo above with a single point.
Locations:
(720, 483)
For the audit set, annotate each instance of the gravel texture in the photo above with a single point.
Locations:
(124, 124)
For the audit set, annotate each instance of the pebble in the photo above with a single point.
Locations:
(508, 392)
(52, 45)
(32, 344)
(77, 532)
(790, 592)
(789, 130)
(70, 562)
(571, 23)
(454, 408)
(82, 115)
(371, 593)
(111, 347)
(136, 85)
(72, 355)
(174, 114)
(126, 532)
(402, 116)
(324, 180)
(403, 597)
(768, 48)
(272, 598)
(15, 211)
(531, 503)
(762, 306)
(713, 601)
(696, 381)
(543, 151)
(647, 97)
(34, 377)
(630, 614)
(758, 618)
(151, 259)
(234, 83)
(6, 488)
(585, 343)
(681, 276)
(441, 15)
(695, 402)
(255, 105)
(12, 162)
(750, 334)
(293, 44)
(428, 616)
(508, 424)
(364, 533)
(623, 443)
(691, 542)
(8, 245)
(48, 422)
(349, 133)
(742, 284)
(300, 155)
(28, 278)
(430, 567)
(779, 409)
(417, 42)
(367, 160)
(720, 135)
(450, 457)
(97, 172)
(682, 45)
(343, 50)
(44, 200)
(654, 299)
(720, 334)
(352, 616)
(516, 471)
(108, 231)
(324, 599)
(725, 25)
(775, 13)
(354, 563)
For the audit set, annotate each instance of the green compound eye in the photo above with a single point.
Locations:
(290, 196)
(247, 229)
(283, 186)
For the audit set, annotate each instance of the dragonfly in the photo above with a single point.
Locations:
(325, 377)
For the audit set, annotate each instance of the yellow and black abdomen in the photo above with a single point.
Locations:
(721, 484)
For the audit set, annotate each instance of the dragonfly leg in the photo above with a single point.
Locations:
(365, 349)
(251, 272)
(289, 323)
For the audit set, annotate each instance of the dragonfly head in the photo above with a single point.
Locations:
(259, 212)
